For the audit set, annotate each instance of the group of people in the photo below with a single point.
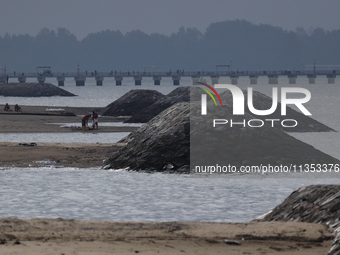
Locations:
(17, 108)
(85, 121)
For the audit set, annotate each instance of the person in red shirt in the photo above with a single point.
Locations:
(94, 120)
(17, 108)
(7, 107)
(84, 122)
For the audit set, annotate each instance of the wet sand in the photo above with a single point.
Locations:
(59, 236)
(35, 119)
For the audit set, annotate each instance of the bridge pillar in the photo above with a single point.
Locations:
(214, 79)
(138, 80)
(118, 80)
(61, 80)
(176, 79)
(253, 79)
(41, 79)
(292, 78)
(21, 79)
(273, 79)
(99, 80)
(234, 79)
(157, 80)
(195, 80)
(311, 78)
(331, 78)
(80, 80)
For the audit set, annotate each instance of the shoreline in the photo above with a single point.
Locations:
(67, 236)
(80, 155)
(37, 120)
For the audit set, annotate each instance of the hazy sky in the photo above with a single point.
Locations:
(82, 17)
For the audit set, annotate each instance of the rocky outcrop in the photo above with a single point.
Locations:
(162, 144)
(32, 90)
(132, 102)
(314, 204)
(180, 94)
(263, 102)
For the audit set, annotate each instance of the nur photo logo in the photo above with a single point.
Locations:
(238, 103)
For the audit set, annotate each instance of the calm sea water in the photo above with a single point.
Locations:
(118, 195)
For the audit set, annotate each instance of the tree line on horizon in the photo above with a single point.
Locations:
(245, 46)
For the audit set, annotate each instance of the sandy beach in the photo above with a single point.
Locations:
(67, 236)
(61, 236)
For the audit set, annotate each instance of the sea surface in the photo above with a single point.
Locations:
(52, 192)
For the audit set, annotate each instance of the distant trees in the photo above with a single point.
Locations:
(248, 46)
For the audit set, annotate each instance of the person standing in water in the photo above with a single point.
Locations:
(84, 122)
(94, 120)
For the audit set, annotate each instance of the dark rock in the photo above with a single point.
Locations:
(32, 90)
(314, 204)
(132, 102)
(264, 102)
(180, 94)
(162, 144)
(231, 242)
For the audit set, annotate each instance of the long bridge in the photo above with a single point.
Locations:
(80, 77)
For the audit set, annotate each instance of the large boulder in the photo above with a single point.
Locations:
(132, 102)
(163, 144)
(180, 94)
(314, 204)
(32, 90)
(159, 145)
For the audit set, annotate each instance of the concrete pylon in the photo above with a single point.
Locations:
(99, 80)
(311, 78)
(41, 79)
(138, 80)
(61, 80)
(292, 78)
(80, 80)
(253, 79)
(176, 79)
(157, 80)
(214, 79)
(273, 79)
(118, 80)
(331, 78)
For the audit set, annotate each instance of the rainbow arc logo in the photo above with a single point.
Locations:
(204, 97)
(209, 93)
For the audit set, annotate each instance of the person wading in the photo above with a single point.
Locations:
(94, 120)
(84, 122)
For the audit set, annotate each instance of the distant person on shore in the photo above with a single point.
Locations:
(94, 120)
(84, 122)
(17, 108)
(7, 108)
